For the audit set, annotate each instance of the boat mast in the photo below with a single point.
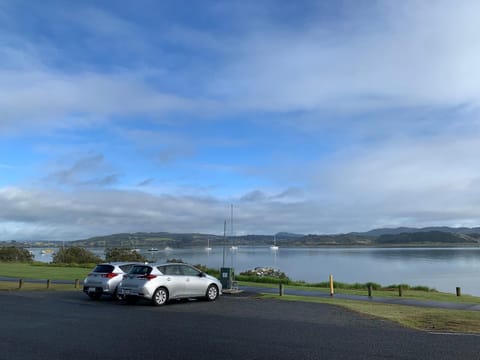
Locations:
(224, 240)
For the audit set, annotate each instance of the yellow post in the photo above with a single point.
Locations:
(331, 285)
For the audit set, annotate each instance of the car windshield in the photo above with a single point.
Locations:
(103, 268)
(140, 270)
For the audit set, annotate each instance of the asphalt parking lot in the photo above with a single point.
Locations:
(68, 325)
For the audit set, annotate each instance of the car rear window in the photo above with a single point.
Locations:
(103, 269)
(140, 270)
(126, 268)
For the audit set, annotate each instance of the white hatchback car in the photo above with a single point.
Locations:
(162, 282)
(104, 279)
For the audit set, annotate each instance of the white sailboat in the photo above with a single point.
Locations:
(233, 247)
(274, 246)
(208, 248)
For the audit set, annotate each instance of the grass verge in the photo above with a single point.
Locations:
(438, 320)
(387, 293)
(43, 271)
(13, 286)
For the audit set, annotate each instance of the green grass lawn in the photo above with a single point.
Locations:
(407, 294)
(13, 286)
(43, 271)
(428, 319)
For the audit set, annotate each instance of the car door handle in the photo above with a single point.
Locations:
(168, 279)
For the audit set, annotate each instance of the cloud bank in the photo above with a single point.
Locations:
(321, 118)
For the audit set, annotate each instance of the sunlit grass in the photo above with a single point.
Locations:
(28, 286)
(43, 271)
(384, 293)
(429, 319)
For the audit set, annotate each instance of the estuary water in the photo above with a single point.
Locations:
(441, 268)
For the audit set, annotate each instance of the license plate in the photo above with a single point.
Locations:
(126, 291)
(92, 289)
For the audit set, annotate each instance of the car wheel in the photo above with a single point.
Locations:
(160, 296)
(94, 295)
(116, 295)
(131, 300)
(212, 293)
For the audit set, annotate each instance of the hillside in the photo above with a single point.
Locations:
(395, 237)
(432, 236)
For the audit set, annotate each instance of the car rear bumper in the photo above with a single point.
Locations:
(97, 289)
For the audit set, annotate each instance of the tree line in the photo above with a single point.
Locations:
(71, 255)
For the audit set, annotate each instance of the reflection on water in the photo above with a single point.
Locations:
(440, 268)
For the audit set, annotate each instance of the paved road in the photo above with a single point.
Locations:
(68, 325)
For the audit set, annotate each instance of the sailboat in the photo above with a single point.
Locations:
(233, 247)
(208, 248)
(274, 246)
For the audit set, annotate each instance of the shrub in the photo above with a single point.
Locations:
(12, 253)
(263, 279)
(75, 255)
(122, 254)
(212, 272)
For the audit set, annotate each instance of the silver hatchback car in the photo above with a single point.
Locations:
(104, 279)
(162, 282)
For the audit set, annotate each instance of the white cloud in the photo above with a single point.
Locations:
(403, 182)
(44, 98)
(412, 55)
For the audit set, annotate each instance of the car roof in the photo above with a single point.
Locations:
(162, 264)
(118, 263)
(168, 263)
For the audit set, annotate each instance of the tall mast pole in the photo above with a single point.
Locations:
(224, 240)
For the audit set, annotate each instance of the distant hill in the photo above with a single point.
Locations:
(432, 236)
(427, 238)
(401, 236)
(401, 230)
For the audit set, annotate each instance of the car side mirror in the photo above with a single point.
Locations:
(202, 274)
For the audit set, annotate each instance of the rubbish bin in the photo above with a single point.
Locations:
(226, 277)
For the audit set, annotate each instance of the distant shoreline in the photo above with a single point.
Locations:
(406, 246)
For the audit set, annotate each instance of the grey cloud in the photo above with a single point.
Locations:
(103, 181)
(170, 155)
(290, 194)
(253, 196)
(146, 182)
(90, 170)
(87, 213)
(81, 213)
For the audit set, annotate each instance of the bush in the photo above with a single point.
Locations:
(75, 255)
(122, 254)
(263, 279)
(212, 272)
(12, 253)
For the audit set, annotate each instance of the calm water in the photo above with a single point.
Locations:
(440, 268)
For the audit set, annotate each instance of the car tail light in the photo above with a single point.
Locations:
(109, 275)
(147, 277)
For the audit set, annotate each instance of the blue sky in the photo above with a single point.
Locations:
(308, 117)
